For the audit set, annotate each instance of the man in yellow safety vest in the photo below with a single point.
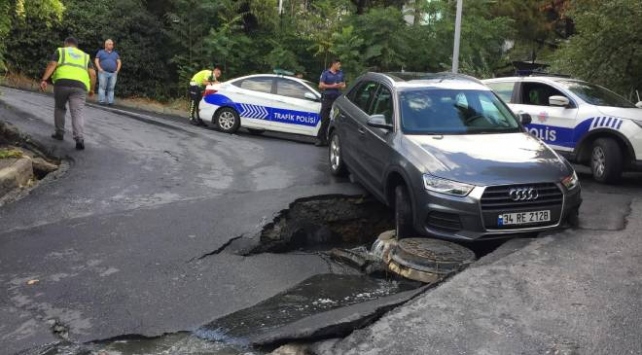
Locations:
(73, 76)
(198, 82)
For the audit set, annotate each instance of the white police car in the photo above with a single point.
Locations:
(262, 102)
(586, 123)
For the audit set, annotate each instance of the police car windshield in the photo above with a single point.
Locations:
(596, 95)
(446, 111)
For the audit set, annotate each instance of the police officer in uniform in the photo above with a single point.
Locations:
(331, 83)
(73, 76)
(198, 82)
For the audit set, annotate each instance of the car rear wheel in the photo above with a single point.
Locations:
(227, 120)
(606, 160)
(403, 213)
(337, 166)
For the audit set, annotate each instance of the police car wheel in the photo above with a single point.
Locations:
(606, 160)
(403, 213)
(227, 120)
(337, 166)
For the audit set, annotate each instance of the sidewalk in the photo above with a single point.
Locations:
(577, 292)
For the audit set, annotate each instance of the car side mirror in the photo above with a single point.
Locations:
(310, 96)
(379, 121)
(558, 100)
(639, 104)
(525, 118)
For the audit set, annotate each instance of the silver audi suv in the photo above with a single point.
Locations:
(450, 157)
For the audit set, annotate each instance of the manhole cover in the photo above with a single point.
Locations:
(431, 255)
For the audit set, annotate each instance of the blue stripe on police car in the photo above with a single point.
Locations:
(295, 117)
(609, 122)
(252, 111)
(568, 137)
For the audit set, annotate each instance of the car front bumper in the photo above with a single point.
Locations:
(474, 218)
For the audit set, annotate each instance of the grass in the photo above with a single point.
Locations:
(10, 153)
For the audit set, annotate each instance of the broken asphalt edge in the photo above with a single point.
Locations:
(343, 321)
(338, 322)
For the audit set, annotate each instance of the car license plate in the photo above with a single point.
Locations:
(507, 219)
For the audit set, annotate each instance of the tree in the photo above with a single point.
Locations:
(607, 48)
(384, 32)
(12, 11)
(347, 45)
(540, 26)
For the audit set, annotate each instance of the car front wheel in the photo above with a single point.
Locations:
(403, 213)
(227, 120)
(337, 166)
(606, 160)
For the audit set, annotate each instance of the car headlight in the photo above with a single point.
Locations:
(639, 123)
(571, 182)
(448, 187)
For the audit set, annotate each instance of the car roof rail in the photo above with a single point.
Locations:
(531, 72)
(282, 72)
(408, 76)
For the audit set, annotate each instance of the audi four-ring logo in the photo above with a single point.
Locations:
(523, 194)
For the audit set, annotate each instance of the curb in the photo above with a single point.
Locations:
(139, 116)
(122, 111)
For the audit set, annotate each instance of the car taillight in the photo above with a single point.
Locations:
(209, 92)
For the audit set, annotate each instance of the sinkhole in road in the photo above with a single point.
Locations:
(325, 222)
(322, 223)
(323, 306)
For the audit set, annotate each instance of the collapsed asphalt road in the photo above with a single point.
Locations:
(146, 250)
(123, 243)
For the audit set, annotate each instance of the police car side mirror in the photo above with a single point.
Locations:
(639, 104)
(311, 96)
(558, 100)
(525, 118)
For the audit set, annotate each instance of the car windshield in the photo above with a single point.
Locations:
(596, 95)
(448, 111)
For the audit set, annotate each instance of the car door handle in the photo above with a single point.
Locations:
(361, 131)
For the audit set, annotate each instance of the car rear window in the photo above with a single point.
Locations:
(449, 111)
(255, 84)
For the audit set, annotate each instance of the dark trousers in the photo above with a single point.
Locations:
(195, 95)
(76, 98)
(326, 107)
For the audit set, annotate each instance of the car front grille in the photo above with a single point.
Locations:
(496, 200)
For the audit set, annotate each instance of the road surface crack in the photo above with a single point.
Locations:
(218, 250)
(171, 155)
(59, 329)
